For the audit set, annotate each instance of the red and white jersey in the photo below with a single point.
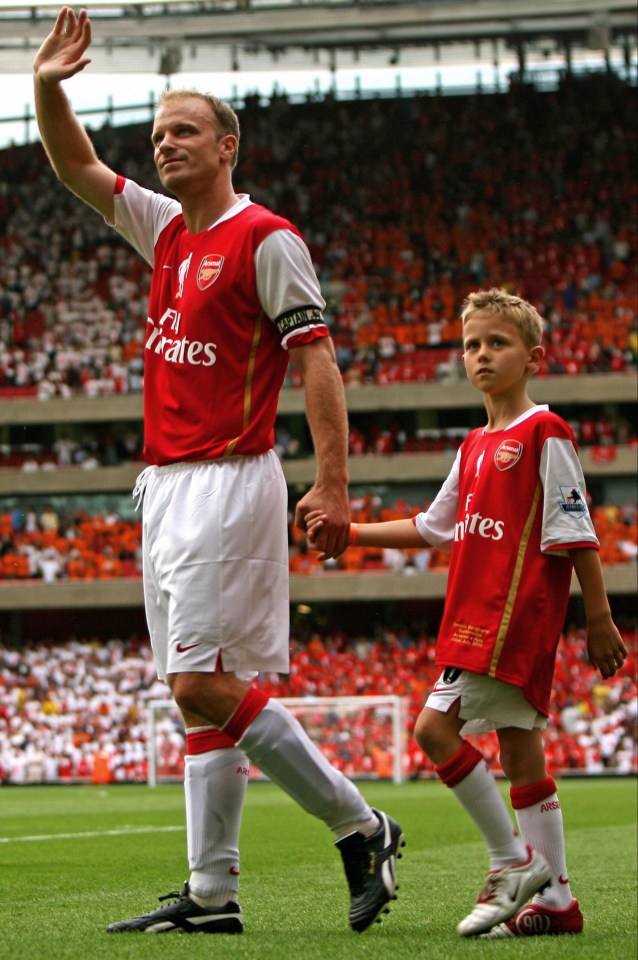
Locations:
(512, 505)
(224, 306)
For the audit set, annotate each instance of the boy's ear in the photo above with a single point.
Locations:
(536, 355)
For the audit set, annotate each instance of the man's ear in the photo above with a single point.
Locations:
(229, 145)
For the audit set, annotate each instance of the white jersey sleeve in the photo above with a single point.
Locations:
(286, 278)
(437, 524)
(141, 215)
(566, 518)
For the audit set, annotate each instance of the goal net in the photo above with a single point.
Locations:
(364, 737)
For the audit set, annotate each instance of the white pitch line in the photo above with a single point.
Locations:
(90, 833)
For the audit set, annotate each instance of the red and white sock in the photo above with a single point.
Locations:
(215, 780)
(279, 746)
(467, 775)
(540, 820)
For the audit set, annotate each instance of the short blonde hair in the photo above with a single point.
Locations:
(224, 117)
(522, 314)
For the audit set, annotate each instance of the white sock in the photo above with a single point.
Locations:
(280, 747)
(215, 786)
(541, 825)
(479, 794)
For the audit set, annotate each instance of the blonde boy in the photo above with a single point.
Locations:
(513, 514)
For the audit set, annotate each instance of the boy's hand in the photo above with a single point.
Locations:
(605, 646)
(315, 531)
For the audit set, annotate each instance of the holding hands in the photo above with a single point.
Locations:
(329, 515)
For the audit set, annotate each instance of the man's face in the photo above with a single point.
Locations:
(187, 145)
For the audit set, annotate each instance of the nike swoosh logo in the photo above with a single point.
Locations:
(181, 649)
(234, 872)
(563, 880)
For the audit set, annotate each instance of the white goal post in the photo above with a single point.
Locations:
(351, 730)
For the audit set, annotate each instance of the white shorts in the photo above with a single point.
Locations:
(215, 565)
(486, 704)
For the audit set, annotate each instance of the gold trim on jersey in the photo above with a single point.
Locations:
(514, 585)
(248, 385)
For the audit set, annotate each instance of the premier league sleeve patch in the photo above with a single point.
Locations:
(572, 502)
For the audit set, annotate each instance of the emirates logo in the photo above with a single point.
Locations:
(209, 269)
(508, 454)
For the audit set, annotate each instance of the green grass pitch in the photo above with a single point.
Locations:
(73, 859)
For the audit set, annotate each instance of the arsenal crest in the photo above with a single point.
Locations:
(209, 269)
(508, 454)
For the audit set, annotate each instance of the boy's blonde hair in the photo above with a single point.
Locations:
(224, 117)
(522, 314)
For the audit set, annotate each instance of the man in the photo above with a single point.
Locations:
(233, 296)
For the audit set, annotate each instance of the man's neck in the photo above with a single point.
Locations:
(200, 213)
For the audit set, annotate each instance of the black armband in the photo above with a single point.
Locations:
(299, 318)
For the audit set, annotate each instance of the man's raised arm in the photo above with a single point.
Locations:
(67, 144)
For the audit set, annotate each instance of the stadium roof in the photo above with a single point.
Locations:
(139, 35)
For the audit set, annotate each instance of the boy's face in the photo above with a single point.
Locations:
(497, 359)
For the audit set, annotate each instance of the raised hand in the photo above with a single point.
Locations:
(62, 54)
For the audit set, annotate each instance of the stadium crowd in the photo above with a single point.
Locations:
(532, 190)
(78, 710)
(528, 190)
(43, 545)
(49, 545)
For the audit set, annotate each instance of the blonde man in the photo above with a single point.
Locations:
(233, 298)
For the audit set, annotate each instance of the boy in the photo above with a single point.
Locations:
(513, 514)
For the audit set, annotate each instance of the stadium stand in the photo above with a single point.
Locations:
(77, 710)
(438, 213)
(88, 547)
(531, 190)
(105, 446)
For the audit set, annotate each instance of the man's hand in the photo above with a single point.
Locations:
(62, 54)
